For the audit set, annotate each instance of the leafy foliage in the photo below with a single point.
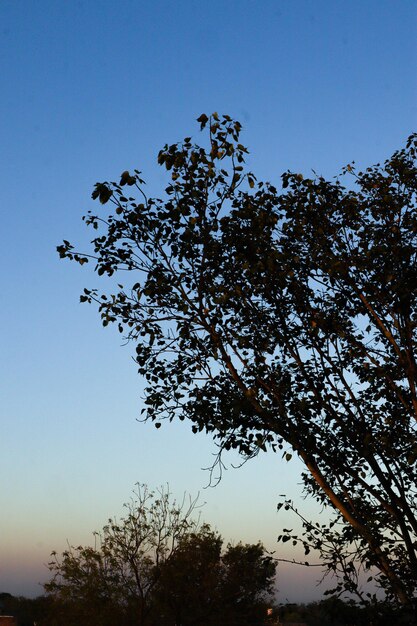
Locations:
(114, 581)
(188, 590)
(284, 321)
(158, 567)
(202, 586)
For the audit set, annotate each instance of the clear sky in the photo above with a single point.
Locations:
(89, 89)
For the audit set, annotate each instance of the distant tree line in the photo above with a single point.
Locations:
(334, 611)
(27, 611)
(42, 611)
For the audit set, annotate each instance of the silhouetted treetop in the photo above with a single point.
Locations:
(282, 320)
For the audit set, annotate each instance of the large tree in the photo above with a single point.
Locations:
(283, 321)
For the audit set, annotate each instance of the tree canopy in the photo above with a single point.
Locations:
(281, 320)
(114, 581)
(158, 566)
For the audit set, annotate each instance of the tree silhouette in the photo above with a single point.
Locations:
(158, 567)
(114, 581)
(282, 321)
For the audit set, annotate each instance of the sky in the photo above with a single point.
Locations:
(90, 89)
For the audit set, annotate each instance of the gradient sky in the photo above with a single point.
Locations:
(89, 89)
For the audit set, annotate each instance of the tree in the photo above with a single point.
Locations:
(247, 583)
(201, 586)
(158, 567)
(114, 581)
(188, 590)
(281, 321)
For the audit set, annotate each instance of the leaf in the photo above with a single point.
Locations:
(103, 192)
(124, 178)
(203, 119)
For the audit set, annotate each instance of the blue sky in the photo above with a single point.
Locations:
(90, 89)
